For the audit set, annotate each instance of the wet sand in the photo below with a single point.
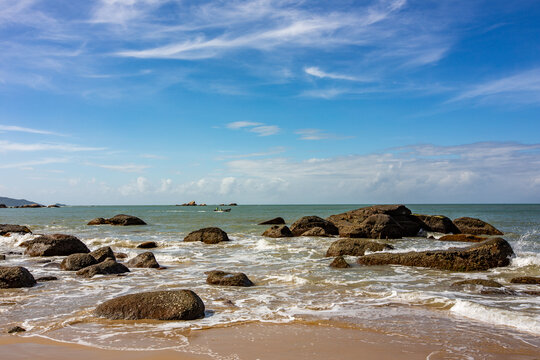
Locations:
(263, 341)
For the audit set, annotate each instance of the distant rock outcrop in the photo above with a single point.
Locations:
(118, 220)
(15, 202)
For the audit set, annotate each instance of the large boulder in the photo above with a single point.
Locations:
(438, 223)
(144, 260)
(103, 253)
(278, 231)
(217, 277)
(107, 267)
(54, 245)
(15, 277)
(306, 223)
(378, 222)
(211, 235)
(119, 220)
(76, 262)
(468, 225)
(274, 221)
(355, 247)
(488, 254)
(157, 305)
(11, 228)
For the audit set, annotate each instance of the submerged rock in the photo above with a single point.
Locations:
(340, 263)
(217, 277)
(468, 225)
(76, 262)
(15, 277)
(482, 282)
(306, 223)
(157, 305)
(355, 247)
(118, 220)
(437, 223)
(12, 228)
(463, 238)
(54, 245)
(274, 221)
(278, 231)
(147, 245)
(46, 278)
(106, 267)
(103, 253)
(144, 260)
(482, 256)
(526, 280)
(211, 235)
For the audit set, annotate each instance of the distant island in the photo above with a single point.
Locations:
(10, 202)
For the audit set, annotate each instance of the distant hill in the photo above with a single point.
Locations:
(15, 202)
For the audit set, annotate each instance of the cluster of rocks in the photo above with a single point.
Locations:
(192, 203)
(28, 206)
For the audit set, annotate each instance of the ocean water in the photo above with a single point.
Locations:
(292, 277)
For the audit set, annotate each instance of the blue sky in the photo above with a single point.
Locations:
(270, 101)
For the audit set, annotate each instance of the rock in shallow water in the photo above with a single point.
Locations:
(211, 235)
(468, 225)
(274, 221)
(144, 260)
(16, 329)
(76, 262)
(15, 277)
(306, 223)
(103, 253)
(158, 305)
(355, 247)
(11, 228)
(437, 223)
(531, 280)
(278, 231)
(482, 282)
(147, 245)
(340, 263)
(118, 220)
(106, 267)
(482, 256)
(463, 238)
(217, 277)
(54, 245)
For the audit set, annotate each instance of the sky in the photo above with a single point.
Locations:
(270, 101)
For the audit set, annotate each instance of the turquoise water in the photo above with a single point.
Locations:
(292, 276)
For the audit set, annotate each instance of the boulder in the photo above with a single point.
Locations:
(106, 267)
(15, 277)
(118, 220)
(437, 223)
(463, 238)
(157, 305)
(54, 245)
(217, 277)
(355, 247)
(103, 253)
(378, 222)
(274, 221)
(478, 257)
(11, 228)
(316, 232)
(482, 282)
(211, 235)
(76, 262)
(526, 280)
(340, 263)
(147, 245)
(468, 225)
(278, 231)
(144, 260)
(306, 223)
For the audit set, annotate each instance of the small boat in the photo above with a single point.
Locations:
(222, 210)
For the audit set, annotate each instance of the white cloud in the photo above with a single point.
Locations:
(6, 146)
(140, 186)
(329, 93)
(265, 130)
(318, 134)
(27, 130)
(242, 124)
(26, 164)
(123, 167)
(315, 71)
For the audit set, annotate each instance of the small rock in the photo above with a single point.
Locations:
(144, 260)
(120, 255)
(103, 253)
(147, 245)
(76, 262)
(46, 278)
(274, 221)
(16, 329)
(217, 277)
(2, 257)
(340, 263)
(526, 280)
(482, 282)
(15, 277)
(106, 267)
(278, 231)
(211, 235)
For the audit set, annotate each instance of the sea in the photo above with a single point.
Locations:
(294, 282)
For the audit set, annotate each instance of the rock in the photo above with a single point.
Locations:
(497, 291)
(478, 257)
(317, 232)
(3, 206)
(340, 263)
(482, 282)
(463, 238)
(211, 235)
(16, 329)
(118, 220)
(52, 265)
(76, 262)
(526, 280)
(233, 204)
(468, 225)
(306, 223)
(274, 221)
(106, 267)
(278, 231)
(121, 255)
(15, 277)
(54, 245)
(438, 223)
(147, 245)
(144, 260)
(31, 206)
(11, 228)
(191, 203)
(217, 277)
(2, 257)
(157, 305)
(378, 222)
(46, 278)
(53, 206)
(103, 253)
(355, 247)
